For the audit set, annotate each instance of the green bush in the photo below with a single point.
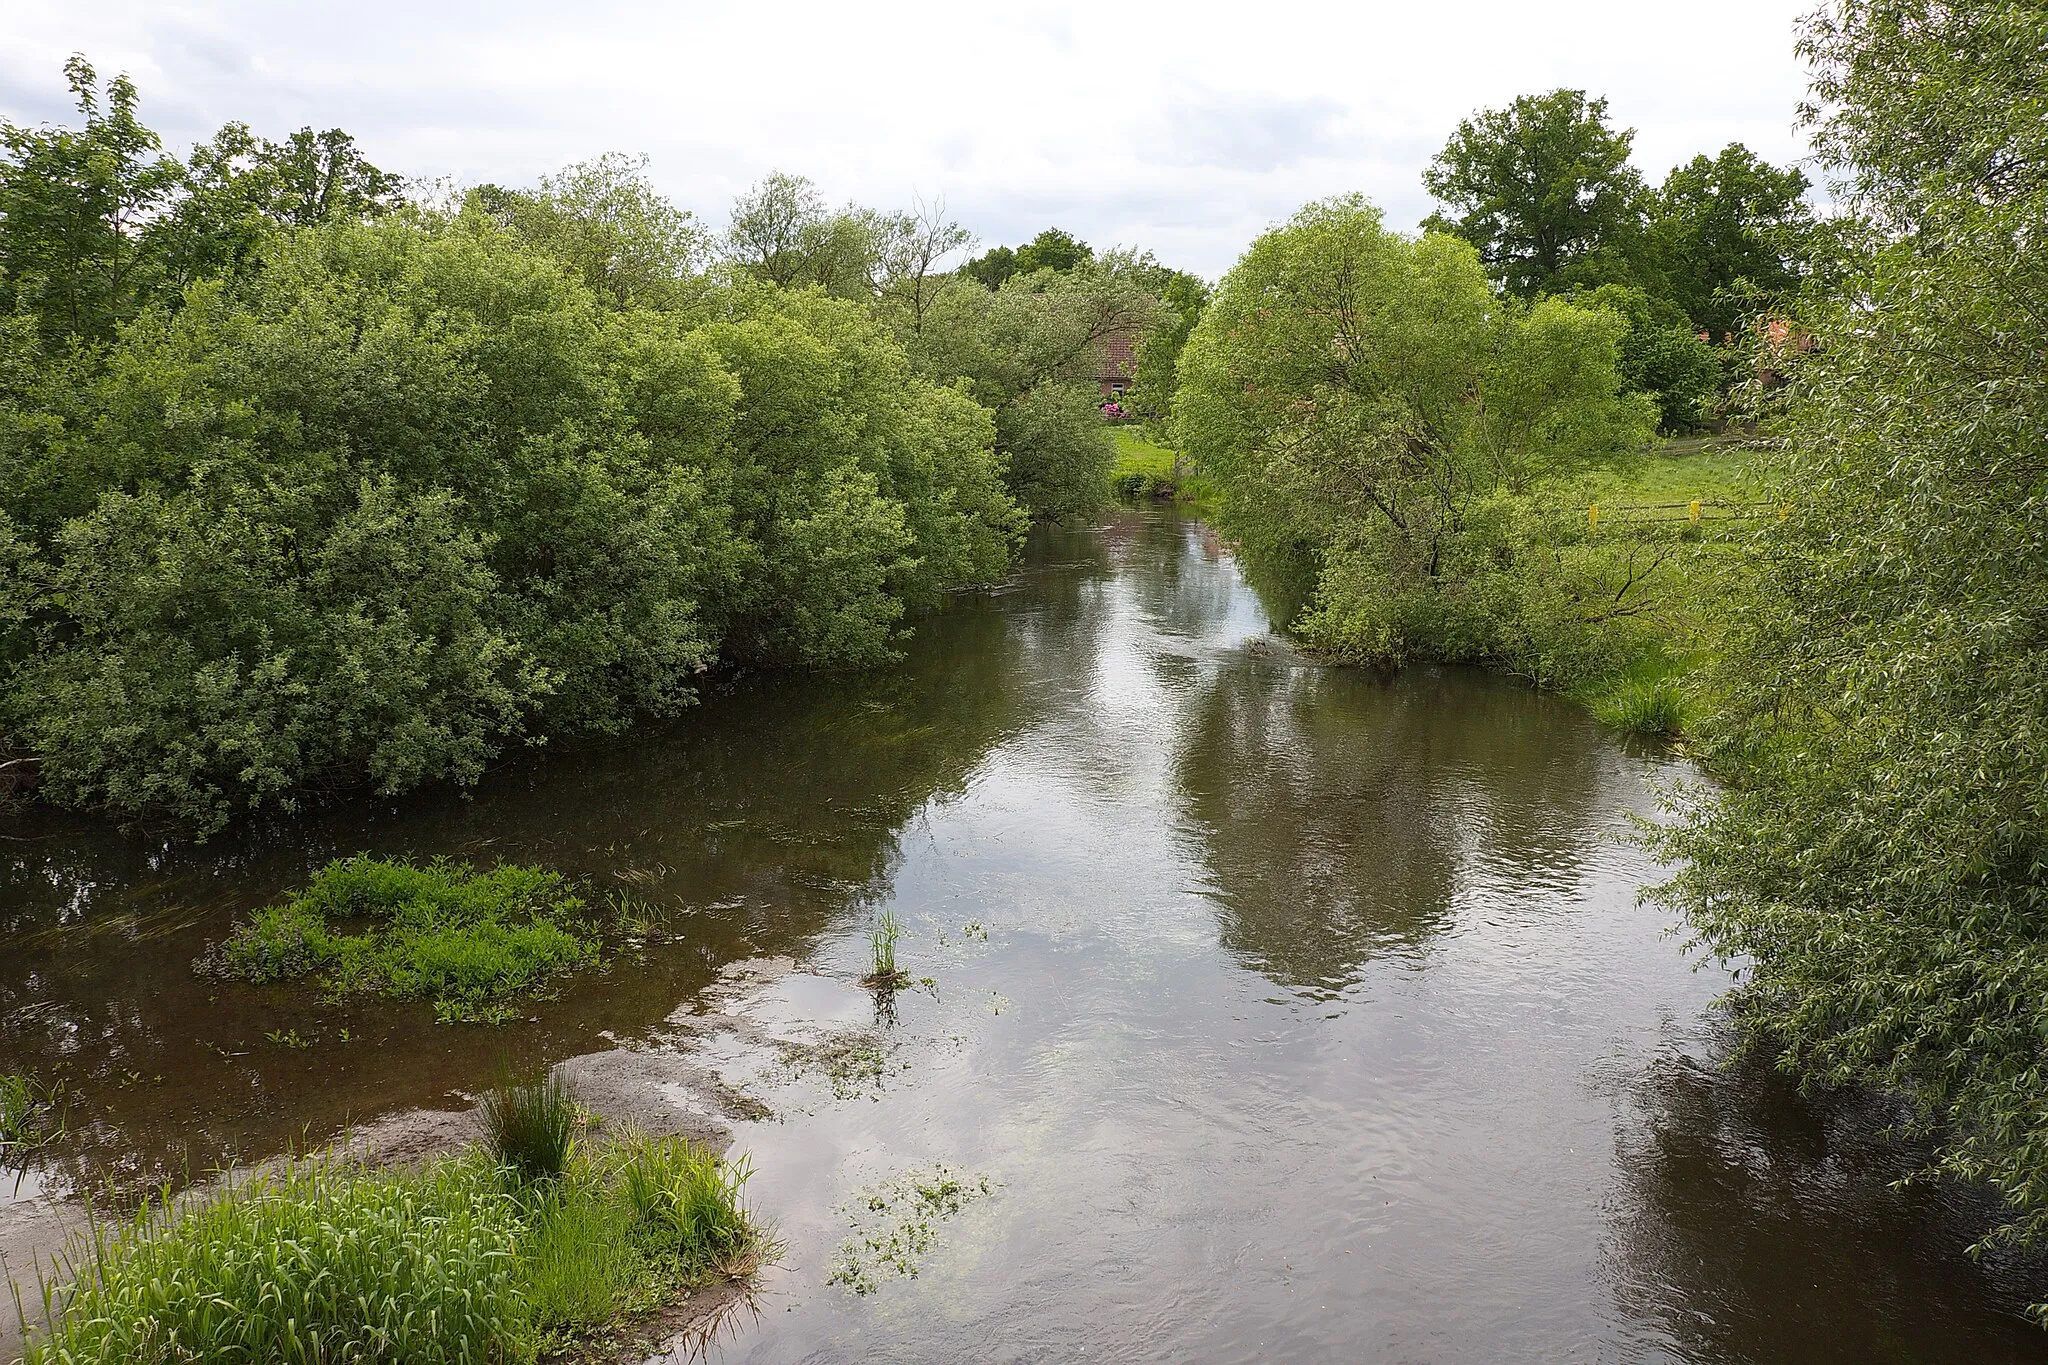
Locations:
(470, 942)
(325, 1262)
(401, 495)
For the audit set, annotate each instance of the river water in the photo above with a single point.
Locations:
(1288, 1012)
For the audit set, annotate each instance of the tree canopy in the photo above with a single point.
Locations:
(1373, 404)
(1879, 865)
(1545, 191)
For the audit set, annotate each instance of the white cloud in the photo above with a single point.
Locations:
(1182, 127)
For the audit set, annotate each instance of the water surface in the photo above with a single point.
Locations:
(1294, 1013)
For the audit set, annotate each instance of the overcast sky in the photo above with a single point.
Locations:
(1183, 127)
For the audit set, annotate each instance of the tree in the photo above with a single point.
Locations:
(74, 207)
(1027, 352)
(237, 187)
(782, 232)
(1878, 867)
(605, 219)
(1182, 297)
(1053, 249)
(1662, 354)
(1372, 403)
(1729, 238)
(1545, 191)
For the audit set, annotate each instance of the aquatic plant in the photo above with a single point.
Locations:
(530, 1126)
(896, 1223)
(28, 1117)
(882, 935)
(686, 1199)
(471, 942)
(327, 1261)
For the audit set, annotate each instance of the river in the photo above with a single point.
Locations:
(1288, 1012)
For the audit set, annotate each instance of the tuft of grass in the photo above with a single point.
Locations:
(1653, 707)
(686, 1202)
(471, 942)
(28, 1118)
(530, 1126)
(327, 1261)
(882, 936)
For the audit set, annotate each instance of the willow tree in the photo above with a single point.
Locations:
(1880, 865)
(1372, 404)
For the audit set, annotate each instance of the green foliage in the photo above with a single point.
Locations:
(604, 219)
(1545, 191)
(1029, 352)
(473, 943)
(1729, 237)
(399, 495)
(1879, 863)
(686, 1200)
(323, 1262)
(1052, 249)
(74, 206)
(530, 1126)
(1370, 405)
(1182, 297)
(1661, 355)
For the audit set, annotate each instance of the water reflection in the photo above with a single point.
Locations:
(1755, 1215)
(1342, 816)
(758, 821)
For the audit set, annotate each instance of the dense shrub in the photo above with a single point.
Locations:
(1878, 868)
(404, 493)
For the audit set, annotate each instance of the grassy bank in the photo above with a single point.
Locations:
(1688, 569)
(1146, 469)
(509, 1251)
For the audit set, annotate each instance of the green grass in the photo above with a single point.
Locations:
(530, 1126)
(686, 1200)
(473, 943)
(328, 1261)
(448, 1262)
(882, 936)
(28, 1118)
(1679, 471)
(1144, 469)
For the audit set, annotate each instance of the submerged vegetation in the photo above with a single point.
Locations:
(474, 943)
(28, 1118)
(896, 1223)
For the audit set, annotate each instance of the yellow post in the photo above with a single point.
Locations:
(1593, 517)
(1784, 511)
(1695, 511)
